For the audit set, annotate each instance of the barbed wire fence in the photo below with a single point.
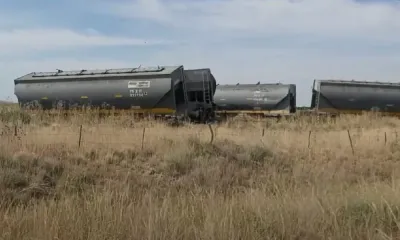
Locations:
(84, 135)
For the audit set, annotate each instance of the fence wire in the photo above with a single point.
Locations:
(148, 136)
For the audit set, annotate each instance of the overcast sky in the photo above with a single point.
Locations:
(246, 41)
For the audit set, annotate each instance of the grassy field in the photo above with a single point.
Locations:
(121, 179)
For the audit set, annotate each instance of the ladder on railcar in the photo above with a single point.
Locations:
(211, 88)
(317, 97)
(206, 89)
(316, 89)
(185, 93)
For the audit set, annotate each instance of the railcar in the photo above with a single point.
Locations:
(355, 97)
(160, 90)
(256, 99)
(200, 87)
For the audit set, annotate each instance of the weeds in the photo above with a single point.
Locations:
(179, 186)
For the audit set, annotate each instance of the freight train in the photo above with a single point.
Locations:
(193, 94)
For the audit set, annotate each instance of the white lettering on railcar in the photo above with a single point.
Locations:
(264, 99)
(258, 99)
(139, 84)
(258, 96)
(137, 93)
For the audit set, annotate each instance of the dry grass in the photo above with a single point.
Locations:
(285, 184)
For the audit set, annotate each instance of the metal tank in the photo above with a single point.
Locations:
(258, 98)
(152, 89)
(355, 96)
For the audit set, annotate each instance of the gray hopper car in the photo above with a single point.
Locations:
(158, 90)
(263, 99)
(337, 96)
(200, 87)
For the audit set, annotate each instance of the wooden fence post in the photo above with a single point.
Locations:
(262, 136)
(80, 137)
(351, 141)
(143, 134)
(212, 133)
(385, 138)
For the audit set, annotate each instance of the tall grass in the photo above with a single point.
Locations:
(256, 180)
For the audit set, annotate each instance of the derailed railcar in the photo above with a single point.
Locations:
(158, 90)
(200, 87)
(355, 97)
(256, 99)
